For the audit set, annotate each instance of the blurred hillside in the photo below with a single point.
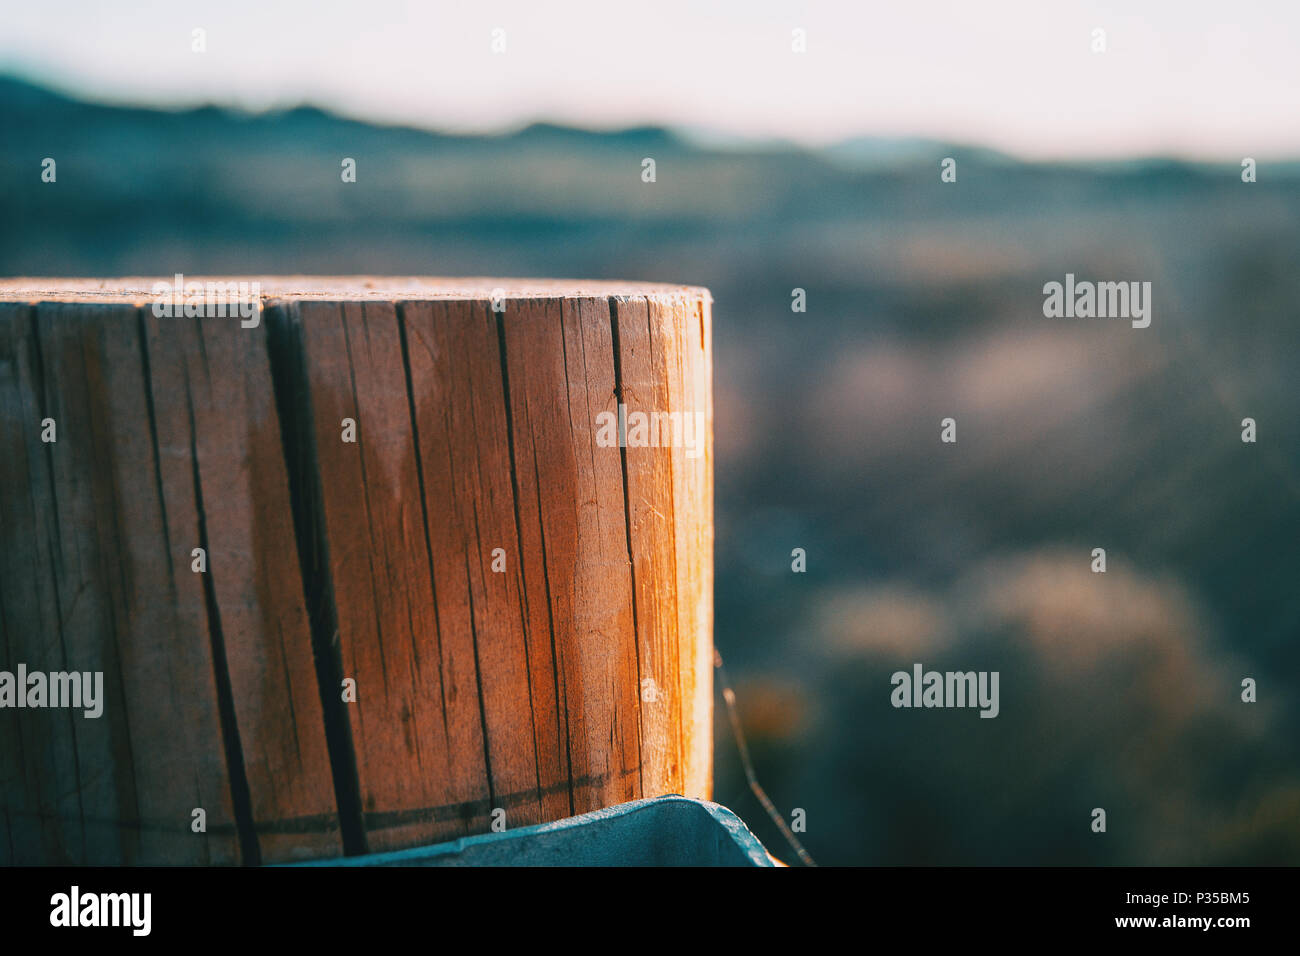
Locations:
(924, 301)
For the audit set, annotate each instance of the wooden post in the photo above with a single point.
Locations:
(360, 571)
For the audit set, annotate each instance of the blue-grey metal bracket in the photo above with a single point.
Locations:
(662, 831)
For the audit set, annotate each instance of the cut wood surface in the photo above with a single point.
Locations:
(475, 610)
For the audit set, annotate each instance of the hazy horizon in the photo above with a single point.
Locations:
(1018, 79)
(892, 148)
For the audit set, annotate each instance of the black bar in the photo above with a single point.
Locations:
(592, 908)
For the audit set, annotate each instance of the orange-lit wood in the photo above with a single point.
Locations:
(526, 612)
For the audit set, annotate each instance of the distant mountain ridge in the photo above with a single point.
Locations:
(21, 99)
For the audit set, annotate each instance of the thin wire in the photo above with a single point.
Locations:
(730, 697)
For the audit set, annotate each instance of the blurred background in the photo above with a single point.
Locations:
(776, 171)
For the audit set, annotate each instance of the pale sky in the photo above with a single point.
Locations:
(1190, 78)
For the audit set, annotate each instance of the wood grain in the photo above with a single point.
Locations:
(525, 612)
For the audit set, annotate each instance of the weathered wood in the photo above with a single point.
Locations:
(688, 343)
(88, 585)
(212, 389)
(525, 612)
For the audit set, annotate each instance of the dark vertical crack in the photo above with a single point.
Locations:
(38, 373)
(241, 800)
(525, 619)
(365, 491)
(560, 690)
(550, 620)
(298, 435)
(147, 375)
(478, 681)
(627, 528)
(424, 509)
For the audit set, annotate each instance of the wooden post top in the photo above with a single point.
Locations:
(142, 289)
(417, 556)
